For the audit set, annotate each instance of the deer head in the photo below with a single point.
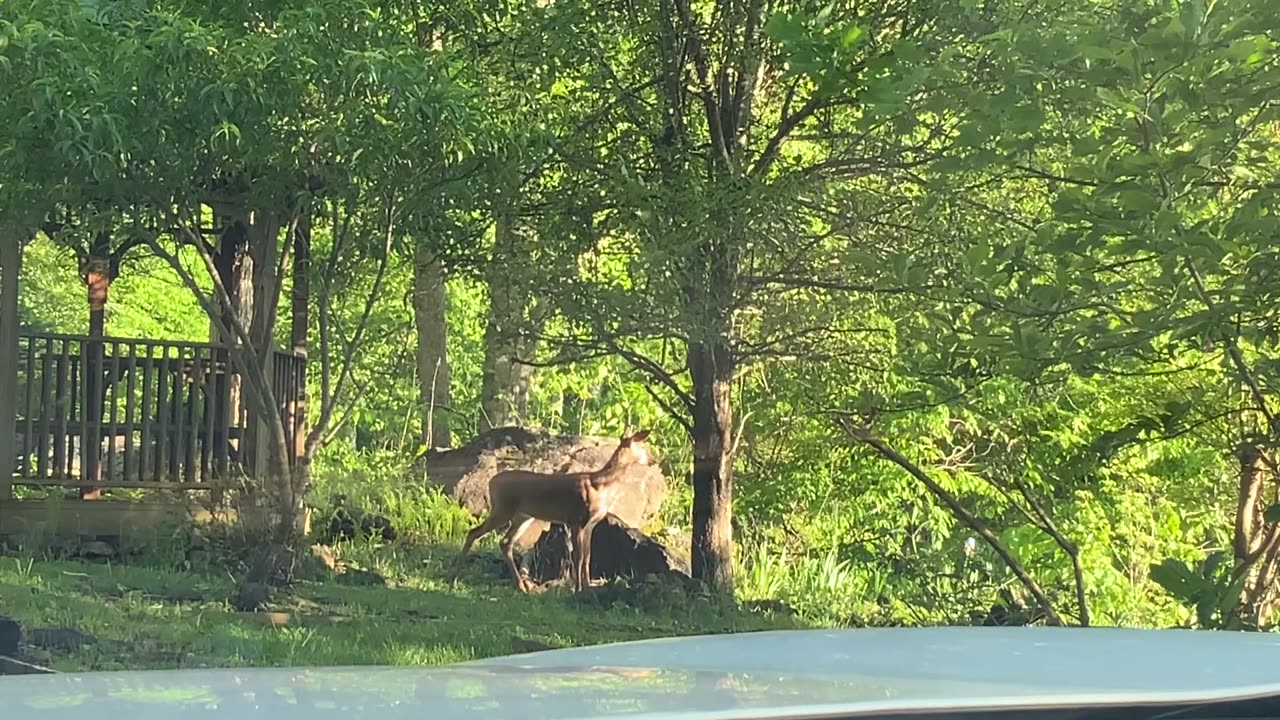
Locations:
(631, 450)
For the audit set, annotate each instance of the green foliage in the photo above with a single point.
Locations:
(1030, 245)
(1210, 588)
(384, 482)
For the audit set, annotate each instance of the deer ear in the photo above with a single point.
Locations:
(640, 436)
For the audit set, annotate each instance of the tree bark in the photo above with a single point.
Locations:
(301, 296)
(711, 368)
(430, 312)
(504, 392)
(1257, 542)
(299, 320)
(263, 232)
(97, 270)
(11, 240)
(235, 270)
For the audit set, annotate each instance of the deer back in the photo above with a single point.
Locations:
(554, 497)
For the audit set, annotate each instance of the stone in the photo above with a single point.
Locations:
(360, 577)
(324, 556)
(617, 551)
(348, 523)
(97, 550)
(10, 636)
(59, 639)
(769, 606)
(251, 597)
(464, 472)
(520, 646)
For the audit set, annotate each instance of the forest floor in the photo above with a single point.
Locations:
(79, 616)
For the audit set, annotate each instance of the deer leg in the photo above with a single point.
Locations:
(583, 575)
(575, 554)
(516, 529)
(493, 522)
(588, 532)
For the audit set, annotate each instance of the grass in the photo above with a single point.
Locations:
(142, 617)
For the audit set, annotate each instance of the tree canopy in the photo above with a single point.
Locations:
(945, 298)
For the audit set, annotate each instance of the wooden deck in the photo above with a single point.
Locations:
(132, 413)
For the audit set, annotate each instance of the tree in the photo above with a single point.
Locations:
(1131, 164)
(265, 119)
(737, 162)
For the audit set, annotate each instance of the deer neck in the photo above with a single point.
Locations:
(609, 474)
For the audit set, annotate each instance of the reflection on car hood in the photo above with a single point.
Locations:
(765, 674)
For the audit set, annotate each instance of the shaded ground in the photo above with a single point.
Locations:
(83, 616)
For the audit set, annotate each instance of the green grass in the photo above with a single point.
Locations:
(149, 618)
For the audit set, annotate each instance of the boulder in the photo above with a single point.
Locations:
(353, 523)
(59, 639)
(617, 550)
(10, 636)
(464, 472)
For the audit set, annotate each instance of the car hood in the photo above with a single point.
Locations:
(747, 675)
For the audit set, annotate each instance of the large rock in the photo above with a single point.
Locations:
(616, 551)
(464, 472)
(10, 636)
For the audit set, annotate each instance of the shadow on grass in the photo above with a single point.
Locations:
(148, 618)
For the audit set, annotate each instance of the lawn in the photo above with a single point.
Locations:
(90, 616)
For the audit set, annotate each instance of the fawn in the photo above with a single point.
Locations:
(579, 501)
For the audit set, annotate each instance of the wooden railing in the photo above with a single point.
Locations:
(150, 413)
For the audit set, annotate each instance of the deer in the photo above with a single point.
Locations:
(578, 500)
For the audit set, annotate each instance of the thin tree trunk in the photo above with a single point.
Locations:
(430, 312)
(1257, 542)
(505, 383)
(11, 241)
(299, 318)
(711, 368)
(286, 485)
(263, 240)
(96, 271)
(235, 270)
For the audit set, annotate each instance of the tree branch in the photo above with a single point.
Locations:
(348, 359)
(863, 435)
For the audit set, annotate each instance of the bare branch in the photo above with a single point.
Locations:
(864, 435)
(330, 402)
(1234, 353)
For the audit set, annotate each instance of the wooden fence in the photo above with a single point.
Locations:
(150, 413)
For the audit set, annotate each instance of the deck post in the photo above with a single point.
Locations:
(11, 241)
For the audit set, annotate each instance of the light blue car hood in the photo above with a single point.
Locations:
(750, 675)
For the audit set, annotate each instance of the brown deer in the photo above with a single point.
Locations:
(579, 501)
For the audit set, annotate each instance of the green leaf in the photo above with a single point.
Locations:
(1272, 513)
(1230, 597)
(1138, 200)
(1115, 99)
(978, 254)
(851, 35)
(1177, 579)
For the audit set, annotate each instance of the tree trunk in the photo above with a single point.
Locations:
(504, 392)
(274, 562)
(299, 318)
(235, 269)
(1256, 542)
(10, 271)
(97, 272)
(711, 368)
(263, 232)
(430, 312)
